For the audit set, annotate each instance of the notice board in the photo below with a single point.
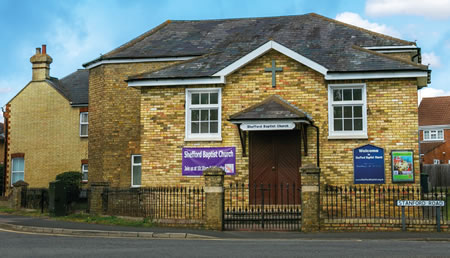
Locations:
(368, 165)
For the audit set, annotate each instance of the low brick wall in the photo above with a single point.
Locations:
(373, 225)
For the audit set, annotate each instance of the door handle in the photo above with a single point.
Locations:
(273, 168)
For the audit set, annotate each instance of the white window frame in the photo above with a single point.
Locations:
(203, 137)
(436, 161)
(18, 171)
(332, 134)
(85, 170)
(435, 133)
(132, 169)
(84, 123)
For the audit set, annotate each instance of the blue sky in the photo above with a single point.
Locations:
(78, 31)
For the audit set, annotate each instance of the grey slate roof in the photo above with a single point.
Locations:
(218, 43)
(272, 108)
(75, 86)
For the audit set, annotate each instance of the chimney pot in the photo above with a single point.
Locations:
(41, 64)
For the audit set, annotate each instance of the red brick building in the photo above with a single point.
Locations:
(434, 130)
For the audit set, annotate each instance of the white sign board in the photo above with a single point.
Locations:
(420, 203)
(267, 126)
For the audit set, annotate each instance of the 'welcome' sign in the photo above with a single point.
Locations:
(368, 165)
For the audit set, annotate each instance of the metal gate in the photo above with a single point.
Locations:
(263, 207)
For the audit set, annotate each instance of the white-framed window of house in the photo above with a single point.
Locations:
(84, 172)
(433, 135)
(136, 170)
(84, 124)
(203, 114)
(347, 111)
(18, 170)
(436, 161)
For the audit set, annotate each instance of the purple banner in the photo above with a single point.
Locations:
(196, 160)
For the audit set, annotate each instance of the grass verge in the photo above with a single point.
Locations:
(23, 212)
(107, 220)
(84, 218)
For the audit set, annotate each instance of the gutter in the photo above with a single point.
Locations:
(101, 61)
(79, 104)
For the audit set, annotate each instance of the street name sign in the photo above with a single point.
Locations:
(432, 203)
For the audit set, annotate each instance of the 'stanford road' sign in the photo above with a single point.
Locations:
(420, 203)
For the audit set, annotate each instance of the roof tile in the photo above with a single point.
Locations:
(272, 108)
(434, 111)
(75, 86)
(219, 43)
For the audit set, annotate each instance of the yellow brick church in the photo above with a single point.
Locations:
(258, 97)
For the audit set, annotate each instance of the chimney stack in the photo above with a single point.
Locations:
(41, 64)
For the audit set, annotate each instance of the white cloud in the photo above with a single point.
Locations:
(10, 86)
(71, 45)
(431, 59)
(447, 45)
(6, 86)
(438, 9)
(86, 33)
(355, 19)
(4, 90)
(432, 92)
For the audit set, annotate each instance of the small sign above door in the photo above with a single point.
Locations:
(267, 126)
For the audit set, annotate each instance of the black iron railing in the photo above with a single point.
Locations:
(379, 202)
(35, 198)
(38, 199)
(262, 207)
(156, 202)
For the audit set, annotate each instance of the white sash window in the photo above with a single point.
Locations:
(347, 115)
(203, 114)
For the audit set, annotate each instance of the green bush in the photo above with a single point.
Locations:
(72, 183)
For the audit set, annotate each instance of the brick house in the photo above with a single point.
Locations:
(434, 130)
(2, 143)
(321, 88)
(47, 126)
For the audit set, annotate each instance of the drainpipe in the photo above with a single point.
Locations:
(417, 55)
(5, 162)
(418, 139)
(318, 145)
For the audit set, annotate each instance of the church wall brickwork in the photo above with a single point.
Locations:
(391, 111)
(405, 56)
(114, 128)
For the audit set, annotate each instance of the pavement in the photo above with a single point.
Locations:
(52, 226)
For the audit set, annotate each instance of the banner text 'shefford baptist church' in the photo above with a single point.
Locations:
(196, 160)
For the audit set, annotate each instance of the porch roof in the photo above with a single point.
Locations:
(272, 108)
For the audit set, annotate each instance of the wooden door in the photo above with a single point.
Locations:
(274, 164)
